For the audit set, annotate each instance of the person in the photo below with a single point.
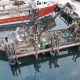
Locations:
(6, 39)
(3, 6)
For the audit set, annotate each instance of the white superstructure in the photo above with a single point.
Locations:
(7, 9)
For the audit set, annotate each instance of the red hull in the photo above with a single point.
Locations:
(41, 12)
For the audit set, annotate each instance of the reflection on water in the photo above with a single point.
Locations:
(30, 69)
(76, 53)
(40, 66)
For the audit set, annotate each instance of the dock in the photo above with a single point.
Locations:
(53, 44)
(19, 55)
(39, 39)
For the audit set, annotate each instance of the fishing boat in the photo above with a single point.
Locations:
(21, 14)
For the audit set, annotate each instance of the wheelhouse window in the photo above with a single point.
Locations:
(38, 3)
(45, 2)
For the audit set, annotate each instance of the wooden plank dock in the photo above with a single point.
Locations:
(19, 55)
(22, 50)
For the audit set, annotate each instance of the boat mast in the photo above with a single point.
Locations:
(35, 30)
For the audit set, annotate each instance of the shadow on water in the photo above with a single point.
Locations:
(75, 53)
(52, 60)
(43, 58)
(3, 56)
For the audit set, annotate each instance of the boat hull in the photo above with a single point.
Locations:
(22, 19)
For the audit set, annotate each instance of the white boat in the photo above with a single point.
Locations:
(15, 15)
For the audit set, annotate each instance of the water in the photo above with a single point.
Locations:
(65, 66)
